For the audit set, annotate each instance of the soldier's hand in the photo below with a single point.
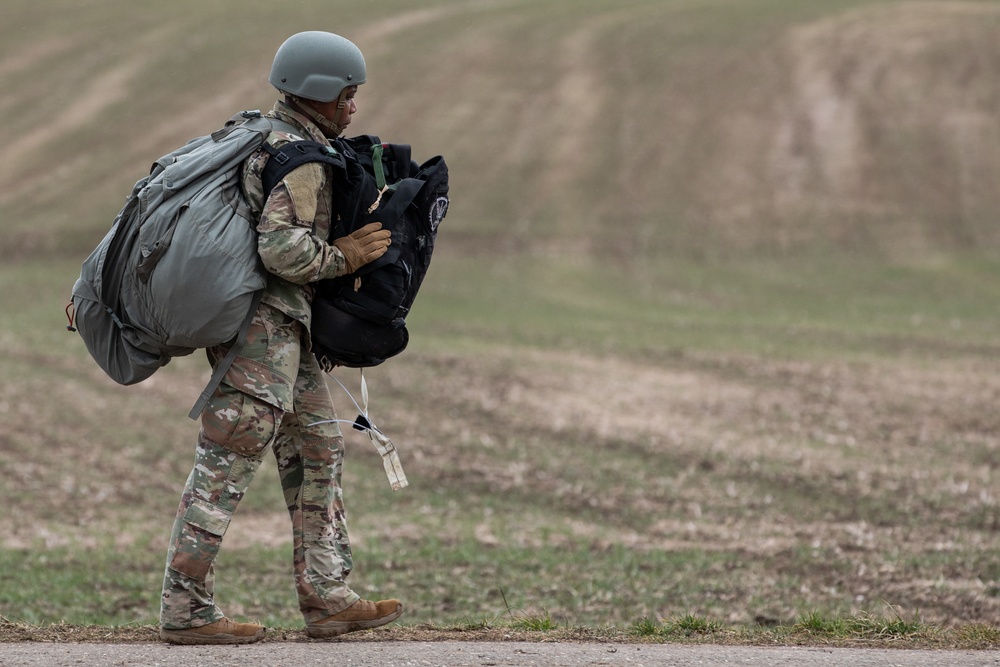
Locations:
(363, 245)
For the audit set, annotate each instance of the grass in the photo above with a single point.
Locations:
(852, 631)
(863, 626)
(888, 629)
(808, 307)
(682, 626)
(773, 496)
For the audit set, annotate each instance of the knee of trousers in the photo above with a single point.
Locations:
(214, 489)
(238, 422)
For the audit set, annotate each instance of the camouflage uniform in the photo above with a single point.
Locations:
(274, 390)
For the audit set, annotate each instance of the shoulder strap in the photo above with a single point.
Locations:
(285, 159)
(293, 155)
(223, 366)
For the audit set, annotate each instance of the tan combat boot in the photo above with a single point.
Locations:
(362, 615)
(224, 631)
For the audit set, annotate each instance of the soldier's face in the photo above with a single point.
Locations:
(336, 113)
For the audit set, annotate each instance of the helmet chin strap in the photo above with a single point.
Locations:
(330, 129)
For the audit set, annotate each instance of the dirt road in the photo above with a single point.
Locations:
(477, 654)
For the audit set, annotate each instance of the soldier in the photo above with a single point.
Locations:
(275, 393)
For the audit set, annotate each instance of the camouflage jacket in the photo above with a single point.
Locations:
(294, 223)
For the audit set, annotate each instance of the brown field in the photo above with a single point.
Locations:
(649, 447)
(826, 485)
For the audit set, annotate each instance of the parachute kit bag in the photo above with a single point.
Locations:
(359, 320)
(179, 269)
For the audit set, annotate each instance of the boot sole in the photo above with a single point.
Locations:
(337, 628)
(182, 637)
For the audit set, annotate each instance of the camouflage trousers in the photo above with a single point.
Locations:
(273, 392)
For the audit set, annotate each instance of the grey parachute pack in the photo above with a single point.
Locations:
(179, 269)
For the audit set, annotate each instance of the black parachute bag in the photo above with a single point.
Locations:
(359, 320)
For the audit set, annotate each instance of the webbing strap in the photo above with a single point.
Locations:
(406, 191)
(293, 155)
(390, 457)
(223, 366)
(377, 168)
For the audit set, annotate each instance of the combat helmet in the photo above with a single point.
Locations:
(316, 65)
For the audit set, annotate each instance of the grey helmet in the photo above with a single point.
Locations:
(317, 65)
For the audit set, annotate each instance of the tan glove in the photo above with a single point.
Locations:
(364, 245)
